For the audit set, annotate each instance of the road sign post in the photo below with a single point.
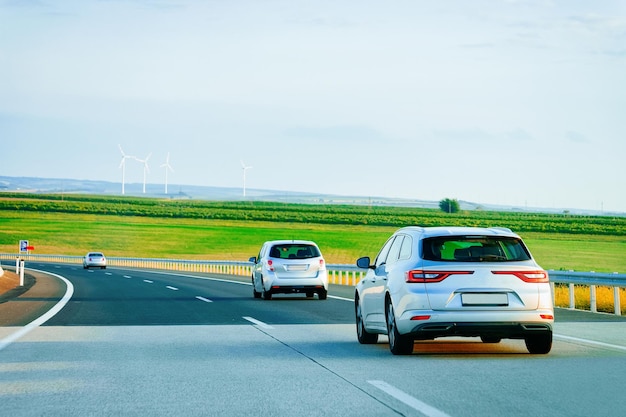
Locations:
(22, 273)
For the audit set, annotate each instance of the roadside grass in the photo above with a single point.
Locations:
(604, 298)
(132, 236)
(208, 239)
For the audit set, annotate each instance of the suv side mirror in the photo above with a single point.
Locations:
(363, 262)
(252, 259)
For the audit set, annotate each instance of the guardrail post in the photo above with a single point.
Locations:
(592, 299)
(572, 296)
(616, 301)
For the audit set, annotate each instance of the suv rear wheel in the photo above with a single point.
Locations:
(539, 344)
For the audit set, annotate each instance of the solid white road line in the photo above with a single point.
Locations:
(206, 300)
(258, 323)
(412, 402)
(41, 320)
(588, 342)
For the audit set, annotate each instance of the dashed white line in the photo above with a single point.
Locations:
(258, 323)
(171, 288)
(412, 402)
(108, 273)
(127, 276)
(148, 281)
(206, 300)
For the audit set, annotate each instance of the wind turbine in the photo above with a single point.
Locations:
(245, 168)
(167, 167)
(123, 165)
(146, 169)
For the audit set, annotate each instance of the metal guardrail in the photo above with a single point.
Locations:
(337, 273)
(590, 279)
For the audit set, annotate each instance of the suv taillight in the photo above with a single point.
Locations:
(526, 276)
(424, 276)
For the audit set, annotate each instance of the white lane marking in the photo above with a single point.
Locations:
(258, 323)
(108, 273)
(127, 276)
(44, 318)
(412, 402)
(340, 298)
(148, 281)
(171, 288)
(588, 342)
(206, 300)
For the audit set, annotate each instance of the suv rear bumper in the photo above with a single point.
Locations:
(426, 331)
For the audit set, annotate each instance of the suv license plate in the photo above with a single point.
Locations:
(485, 299)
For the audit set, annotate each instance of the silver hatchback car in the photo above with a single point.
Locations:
(95, 259)
(289, 266)
(431, 282)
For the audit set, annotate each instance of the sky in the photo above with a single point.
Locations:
(511, 102)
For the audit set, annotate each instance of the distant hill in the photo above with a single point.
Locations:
(175, 191)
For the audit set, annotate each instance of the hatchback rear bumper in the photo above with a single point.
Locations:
(290, 289)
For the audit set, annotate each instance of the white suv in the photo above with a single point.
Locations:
(430, 282)
(289, 266)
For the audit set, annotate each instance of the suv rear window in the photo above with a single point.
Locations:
(294, 251)
(474, 249)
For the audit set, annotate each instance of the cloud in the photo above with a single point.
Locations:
(576, 137)
(518, 135)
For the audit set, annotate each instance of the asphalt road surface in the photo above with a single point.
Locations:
(131, 342)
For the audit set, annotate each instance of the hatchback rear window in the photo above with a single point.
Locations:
(294, 251)
(474, 249)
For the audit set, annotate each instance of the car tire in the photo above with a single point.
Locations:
(398, 344)
(255, 293)
(539, 344)
(364, 337)
(490, 339)
(322, 294)
(267, 295)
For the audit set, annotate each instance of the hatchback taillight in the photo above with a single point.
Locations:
(269, 265)
(322, 264)
(420, 275)
(526, 276)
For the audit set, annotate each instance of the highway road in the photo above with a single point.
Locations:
(131, 342)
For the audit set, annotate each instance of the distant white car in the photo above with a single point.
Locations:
(95, 259)
(431, 282)
(289, 266)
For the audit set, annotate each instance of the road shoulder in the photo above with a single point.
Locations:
(21, 305)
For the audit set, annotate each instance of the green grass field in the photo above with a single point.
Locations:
(214, 239)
